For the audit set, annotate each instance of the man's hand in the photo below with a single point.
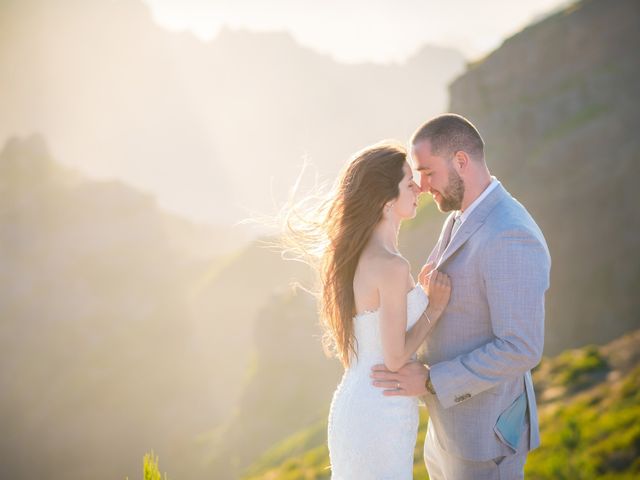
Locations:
(409, 381)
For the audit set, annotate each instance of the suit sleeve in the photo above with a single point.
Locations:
(516, 269)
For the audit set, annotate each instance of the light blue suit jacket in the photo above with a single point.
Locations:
(491, 335)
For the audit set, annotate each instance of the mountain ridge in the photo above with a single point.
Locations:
(204, 126)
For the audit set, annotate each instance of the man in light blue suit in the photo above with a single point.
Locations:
(475, 374)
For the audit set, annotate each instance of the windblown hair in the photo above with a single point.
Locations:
(330, 237)
(449, 133)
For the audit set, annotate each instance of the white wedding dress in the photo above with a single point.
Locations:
(372, 436)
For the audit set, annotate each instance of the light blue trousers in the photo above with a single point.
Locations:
(443, 466)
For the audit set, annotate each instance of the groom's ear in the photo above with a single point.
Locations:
(461, 161)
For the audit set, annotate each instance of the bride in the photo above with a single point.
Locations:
(372, 311)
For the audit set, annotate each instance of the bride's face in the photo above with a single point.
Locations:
(406, 204)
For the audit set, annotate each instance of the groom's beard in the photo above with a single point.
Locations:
(453, 193)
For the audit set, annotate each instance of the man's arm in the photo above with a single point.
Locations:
(516, 276)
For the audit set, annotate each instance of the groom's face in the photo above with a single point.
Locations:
(438, 177)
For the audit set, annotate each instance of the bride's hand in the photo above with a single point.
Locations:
(439, 291)
(424, 275)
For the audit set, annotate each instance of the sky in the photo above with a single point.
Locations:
(356, 31)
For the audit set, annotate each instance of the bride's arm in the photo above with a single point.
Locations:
(398, 344)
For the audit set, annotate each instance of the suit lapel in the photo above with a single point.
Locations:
(445, 233)
(475, 220)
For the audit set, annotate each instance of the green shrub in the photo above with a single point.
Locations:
(576, 368)
(150, 468)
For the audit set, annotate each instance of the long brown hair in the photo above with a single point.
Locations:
(338, 230)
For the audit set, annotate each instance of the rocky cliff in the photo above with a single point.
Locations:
(557, 105)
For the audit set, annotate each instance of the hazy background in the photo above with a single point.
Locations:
(136, 313)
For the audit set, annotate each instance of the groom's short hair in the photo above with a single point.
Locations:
(449, 133)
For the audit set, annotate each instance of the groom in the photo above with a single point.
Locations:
(475, 377)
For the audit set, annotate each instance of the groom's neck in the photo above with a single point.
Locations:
(473, 188)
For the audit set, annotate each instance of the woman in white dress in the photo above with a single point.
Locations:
(372, 311)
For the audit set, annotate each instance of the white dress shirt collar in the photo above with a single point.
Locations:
(461, 217)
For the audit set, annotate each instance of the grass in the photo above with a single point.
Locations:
(150, 469)
(595, 436)
(575, 369)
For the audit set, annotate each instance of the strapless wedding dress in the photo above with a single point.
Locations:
(372, 436)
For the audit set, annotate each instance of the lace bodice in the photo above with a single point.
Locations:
(367, 326)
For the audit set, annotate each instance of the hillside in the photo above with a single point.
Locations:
(589, 403)
(287, 386)
(102, 351)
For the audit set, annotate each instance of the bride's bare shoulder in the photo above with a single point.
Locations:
(378, 271)
(384, 265)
